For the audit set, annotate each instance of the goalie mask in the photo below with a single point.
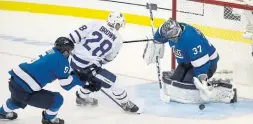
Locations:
(116, 20)
(170, 30)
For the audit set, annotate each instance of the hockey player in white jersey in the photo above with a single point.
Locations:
(95, 45)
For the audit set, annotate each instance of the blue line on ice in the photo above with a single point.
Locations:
(24, 40)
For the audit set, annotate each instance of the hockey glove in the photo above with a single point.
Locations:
(86, 74)
(203, 86)
(93, 86)
(201, 82)
(76, 73)
(81, 75)
(152, 50)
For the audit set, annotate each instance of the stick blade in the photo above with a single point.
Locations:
(164, 97)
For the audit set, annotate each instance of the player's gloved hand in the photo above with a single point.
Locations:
(153, 50)
(93, 86)
(82, 76)
(203, 86)
(76, 73)
(86, 74)
(201, 82)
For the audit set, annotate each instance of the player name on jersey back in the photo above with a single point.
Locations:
(108, 33)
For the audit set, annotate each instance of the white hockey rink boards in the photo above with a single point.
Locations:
(25, 35)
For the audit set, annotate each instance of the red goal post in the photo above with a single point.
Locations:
(225, 22)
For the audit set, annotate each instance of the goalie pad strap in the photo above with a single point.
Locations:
(225, 85)
(178, 84)
(184, 85)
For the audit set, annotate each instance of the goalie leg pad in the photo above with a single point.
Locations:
(183, 85)
(223, 91)
(182, 93)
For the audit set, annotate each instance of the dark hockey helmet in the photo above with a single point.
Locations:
(64, 45)
(171, 30)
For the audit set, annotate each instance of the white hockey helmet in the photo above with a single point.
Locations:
(116, 20)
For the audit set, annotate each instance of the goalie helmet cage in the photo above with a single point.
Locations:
(225, 16)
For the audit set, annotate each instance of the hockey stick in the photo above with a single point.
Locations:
(164, 97)
(112, 99)
(133, 41)
(143, 40)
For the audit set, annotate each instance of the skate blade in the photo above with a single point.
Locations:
(86, 105)
(141, 105)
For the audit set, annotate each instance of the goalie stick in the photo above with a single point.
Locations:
(163, 94)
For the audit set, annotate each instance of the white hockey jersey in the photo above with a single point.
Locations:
(95, 43)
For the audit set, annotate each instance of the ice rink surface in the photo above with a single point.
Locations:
(23, 36)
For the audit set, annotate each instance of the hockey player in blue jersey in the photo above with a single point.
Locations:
(28, 79)
(197, 62)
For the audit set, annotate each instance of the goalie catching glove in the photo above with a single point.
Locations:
(153, 50)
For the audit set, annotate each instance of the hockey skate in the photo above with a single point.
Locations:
(130, 107)
(85, 101)
(54, 121)
(9, 116)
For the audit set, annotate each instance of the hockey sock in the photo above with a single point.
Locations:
(83, 93)
(49, 114)
(120, 94)
(7, 107)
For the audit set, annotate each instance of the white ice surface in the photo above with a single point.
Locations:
(25, 35)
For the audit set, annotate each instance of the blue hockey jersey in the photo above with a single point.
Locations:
(34, 75)
(192, 47)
